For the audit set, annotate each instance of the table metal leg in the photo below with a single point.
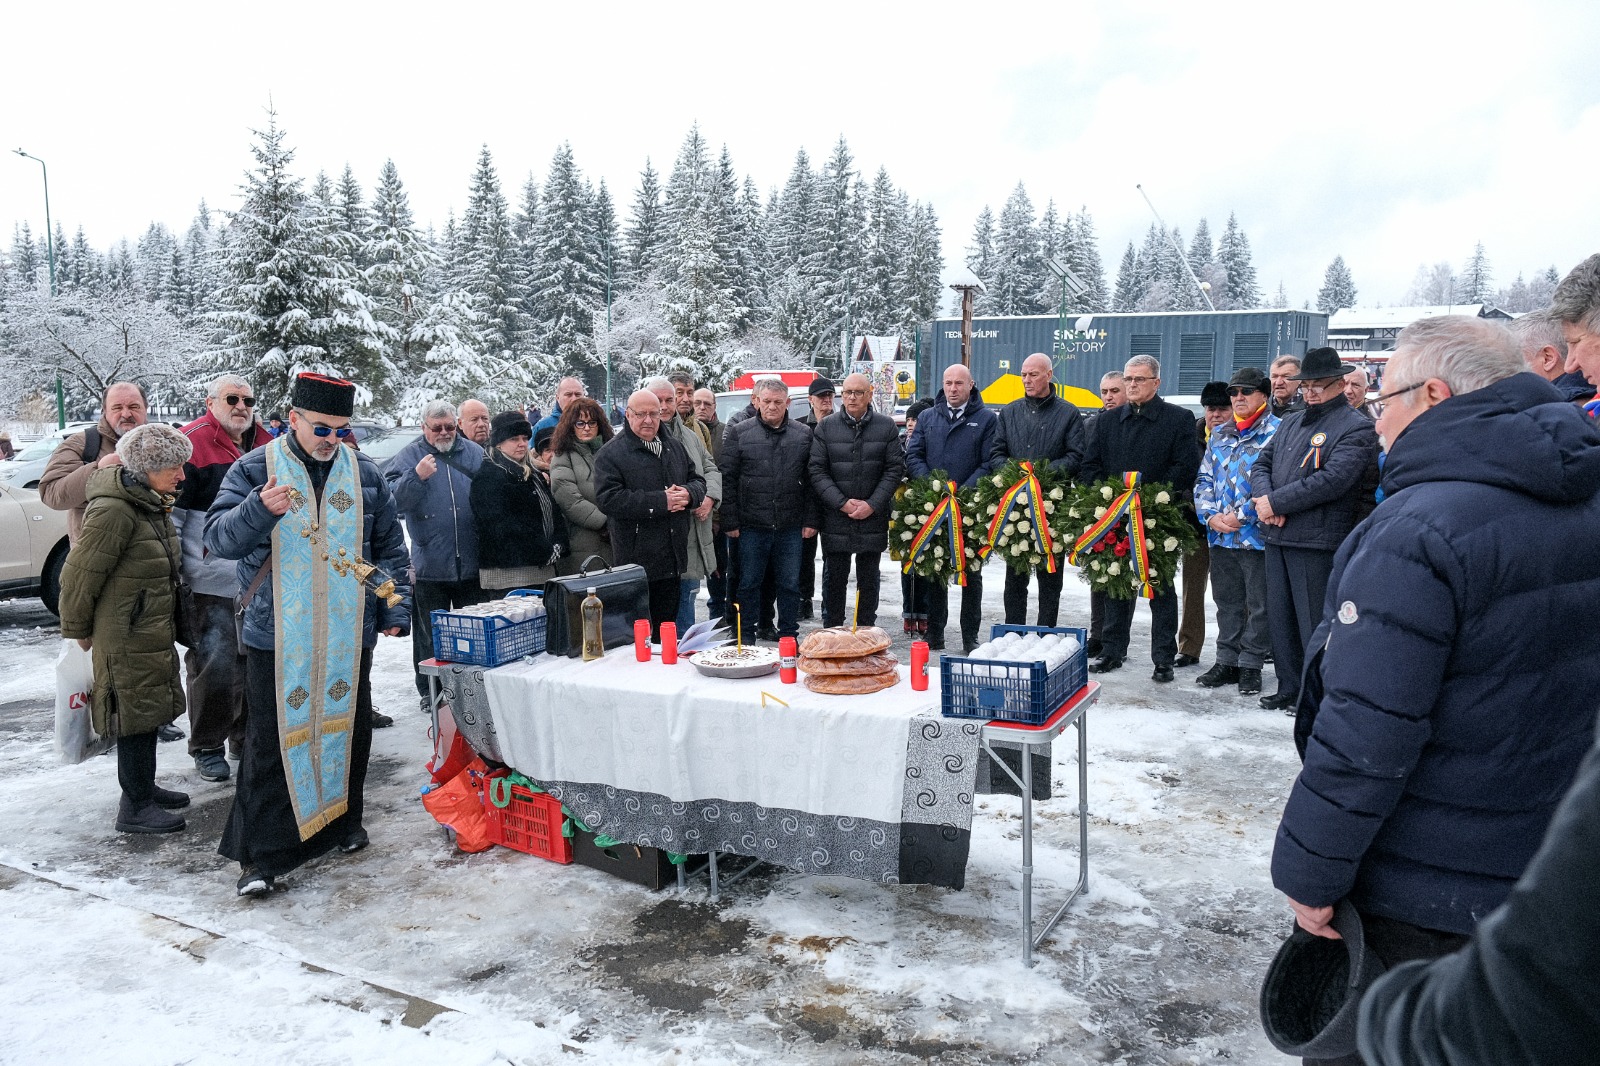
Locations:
(1027, 856)
(713, 864)
(434, 689)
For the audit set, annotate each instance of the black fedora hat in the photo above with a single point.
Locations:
(1322, 363)
(1311, 996)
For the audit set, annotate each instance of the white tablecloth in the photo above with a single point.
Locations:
(671, 731)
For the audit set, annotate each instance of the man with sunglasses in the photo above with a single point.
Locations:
(215, 666)
(432, 482)
(297, 515)
(1312, 483)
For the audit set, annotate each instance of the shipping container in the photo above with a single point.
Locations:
(1194, 347)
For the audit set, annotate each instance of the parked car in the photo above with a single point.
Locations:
(383, 444)
(731, 403)
(33, 547)
(25, 469)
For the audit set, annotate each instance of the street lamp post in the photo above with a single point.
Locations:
(607, 242)
(50, 257)
(967, 284)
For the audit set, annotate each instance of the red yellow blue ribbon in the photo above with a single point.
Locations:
(946, 515)
(1027, 492)
(1126, 506)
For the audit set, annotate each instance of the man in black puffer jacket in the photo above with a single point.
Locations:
(1309, 485)
(1043, 427)
(767, 505)
(1157, 439)
(856, 464)
(646, 486)
(1455, 662)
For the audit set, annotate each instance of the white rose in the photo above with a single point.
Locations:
(1150, 545)
(1149, 523)
(938, 552)
(1114, 569)
(927, 508)
(967, 519)
(1010, 528)
(1024, 525)
(1163, 497)
(991, 510)
(998, 481)
(907, 535)
(1016, 549)
(1074, 513)
(1170, 544)
(1099, 512)
(1137, 582)
(1094, 564)
(1049, 508)
(1106, 493)
(1057, 494)
(1036, 559)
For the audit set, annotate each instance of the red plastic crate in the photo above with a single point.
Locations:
(530, 823)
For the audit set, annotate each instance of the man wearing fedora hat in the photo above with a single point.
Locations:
(1308, 485)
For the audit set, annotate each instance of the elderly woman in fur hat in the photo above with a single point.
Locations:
(119, 600)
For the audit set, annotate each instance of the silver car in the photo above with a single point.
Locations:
(27, 466)
(33, 547)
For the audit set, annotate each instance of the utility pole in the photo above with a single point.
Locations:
(50, 256)
(1187, 269)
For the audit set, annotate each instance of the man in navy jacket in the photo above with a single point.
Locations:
(1456, 662)
(955, 436)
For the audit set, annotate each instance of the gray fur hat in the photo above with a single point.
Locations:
(153, 446)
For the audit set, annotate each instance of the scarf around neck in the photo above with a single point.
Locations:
(1243, 425)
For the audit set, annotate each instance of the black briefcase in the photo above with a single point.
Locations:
(624, 590)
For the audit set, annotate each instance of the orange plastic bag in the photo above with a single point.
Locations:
(458, 806)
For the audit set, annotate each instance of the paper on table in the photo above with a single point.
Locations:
(702, 636)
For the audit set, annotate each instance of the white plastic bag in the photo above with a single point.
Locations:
(76, 739)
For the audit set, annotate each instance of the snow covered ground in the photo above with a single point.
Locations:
(136, 950)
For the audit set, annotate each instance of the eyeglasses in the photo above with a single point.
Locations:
(231, 400)
(644, 416)
(1242, 390)
(448, 427)
(585, 422)
(1135, 381)
(324, 431)
(1382, 396)
(1322, 386)
(858, 392)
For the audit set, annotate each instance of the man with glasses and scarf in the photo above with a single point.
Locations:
(215, 667)
(432, 483)
(1311, 485)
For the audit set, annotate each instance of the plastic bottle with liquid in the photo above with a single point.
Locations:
(594, 644)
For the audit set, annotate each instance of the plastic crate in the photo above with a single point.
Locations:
(1011, 692)
(530, 822)
(486, 640)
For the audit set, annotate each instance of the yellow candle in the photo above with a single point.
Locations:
(856, 613)
(738, 629)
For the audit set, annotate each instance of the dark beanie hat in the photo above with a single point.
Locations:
(324, 395)
(508, 424)
(915, 411)
(820, 387)
(1214, 394)
(541, 437)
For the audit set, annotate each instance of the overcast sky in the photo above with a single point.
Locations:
(1391, 133)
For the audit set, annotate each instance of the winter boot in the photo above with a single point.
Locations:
(211, 764)
(254, 883)
(147, 819)
(169, 800)
(1249, 681)
(1220, 675)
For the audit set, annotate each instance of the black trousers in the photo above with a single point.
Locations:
(937, 598)
(1396, 942)
(136, 768)
(1297, 583)
(215, 670)
(1097, 615)
(261, 829)
(1163, 627)
(430, 596)
(663, 604)
(835, 580)
(1016, 595)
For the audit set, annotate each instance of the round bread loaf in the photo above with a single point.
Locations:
(841, 643)
(852, 684)
(867, 664)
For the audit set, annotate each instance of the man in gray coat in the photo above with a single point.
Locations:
(856, 465)
(702, 552)
(432, 483)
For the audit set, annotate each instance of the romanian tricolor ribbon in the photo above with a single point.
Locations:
(1314, 453)
(1126, 506)
(946, 516)
(1029, 495)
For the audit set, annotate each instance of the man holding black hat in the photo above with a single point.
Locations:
(1238, 565)
(1196, 566)
(1309, 484)
(309, 631)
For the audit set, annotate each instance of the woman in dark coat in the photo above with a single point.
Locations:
(118, 600)
(579, 434)
(521, 533)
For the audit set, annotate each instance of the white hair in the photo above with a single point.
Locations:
(1149, 362)
(1464, 352)
(1537, 331)
(225, 381)
(769, 384)
(438, 409)
(656, 384)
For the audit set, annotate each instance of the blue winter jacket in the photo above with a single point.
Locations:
(1317, 471)
(1224, 481)
(239, 526)
(958, 446)
(1458, 664)
(438, 511)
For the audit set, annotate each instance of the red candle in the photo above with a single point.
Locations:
(641, 640)
(669, 642)
(919, 665)
(788, 659)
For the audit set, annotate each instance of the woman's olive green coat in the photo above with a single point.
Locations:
(117, 590)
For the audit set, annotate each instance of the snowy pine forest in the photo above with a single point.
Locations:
(699, 271)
